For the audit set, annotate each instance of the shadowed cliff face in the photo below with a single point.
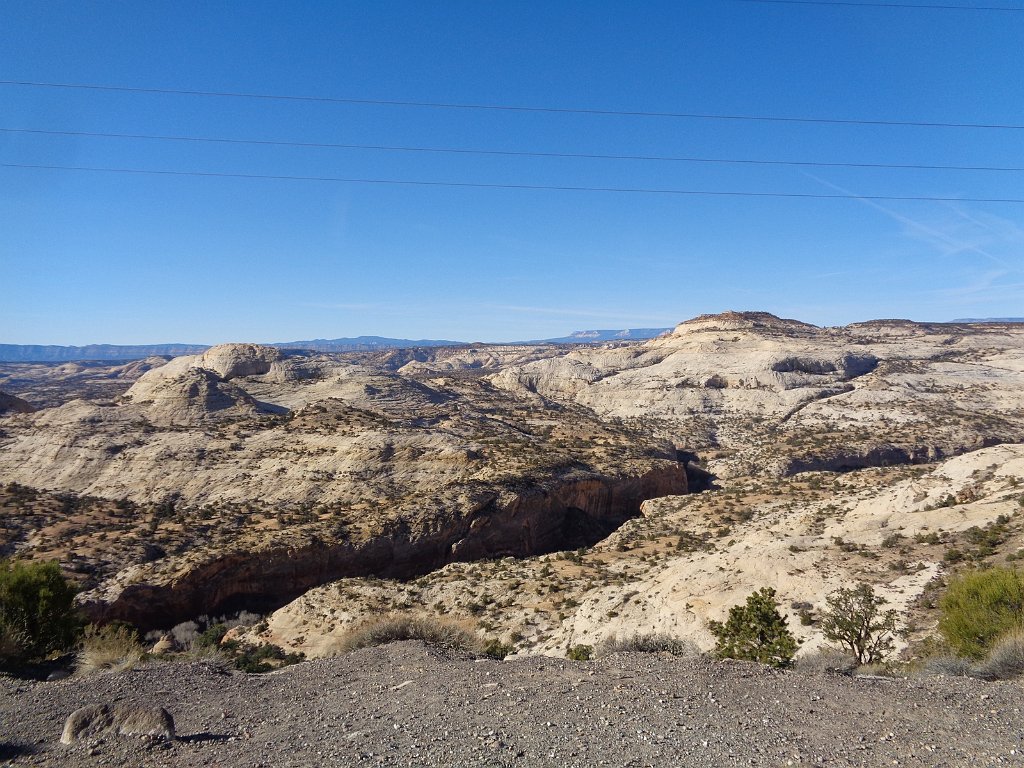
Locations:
(545, 519)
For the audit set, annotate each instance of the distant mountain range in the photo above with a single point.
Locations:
(39, 353)
(363, 344)
(46, 353)
(593, 337)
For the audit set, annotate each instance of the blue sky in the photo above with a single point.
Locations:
(101, 257)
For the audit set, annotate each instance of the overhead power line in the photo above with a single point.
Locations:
(532, 187)
(925, 6)
(513, 107)
(510, 153)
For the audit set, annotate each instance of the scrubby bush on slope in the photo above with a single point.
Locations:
(37, 614)
(979, 607)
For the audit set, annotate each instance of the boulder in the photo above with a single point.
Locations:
(117, 720)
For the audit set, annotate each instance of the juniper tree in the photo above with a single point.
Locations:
(755, 631)
(855, 620)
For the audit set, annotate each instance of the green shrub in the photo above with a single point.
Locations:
(755, 631)
(854, 619)
(37, 613)
(394, 629)
(650, 642)
(580, 652)
(497, 649)
(979, 607)
(264, 658)
(211, 637)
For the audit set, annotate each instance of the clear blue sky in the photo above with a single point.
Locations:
(100, 257)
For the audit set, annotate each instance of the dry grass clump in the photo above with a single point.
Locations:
(946, 665)
(112, 648)
(12, 641)
(1005, 661)
(649, 642)
(827, 661)
(399, 627)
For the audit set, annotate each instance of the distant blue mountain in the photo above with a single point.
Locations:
(593, 337)
(363, 344)
(52, 353)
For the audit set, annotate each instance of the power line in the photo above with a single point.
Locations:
(532, 187)
(926, 6)
(512, 107)
(510, 153)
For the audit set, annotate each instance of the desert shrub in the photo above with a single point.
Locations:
(1005, 661)
(854, 619)
(650, 642)
(210, 637)
(263, 658)
(876, 669)
(497, 649)
(185, 634)
(946, 665)
(979, 607)
(827, 661)
(12, 643)
(755, 631)
(110, 648)
(398, 627)
(580, 652)
(37, 613)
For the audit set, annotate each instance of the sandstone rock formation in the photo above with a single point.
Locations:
(231, 361)
(247, 475)
(687, 559)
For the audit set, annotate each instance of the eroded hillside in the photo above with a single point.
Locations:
(253, 475)
(248, 475)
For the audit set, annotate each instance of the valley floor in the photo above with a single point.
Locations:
(412, 705)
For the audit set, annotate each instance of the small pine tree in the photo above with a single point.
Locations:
(854, 619)
(755, 631)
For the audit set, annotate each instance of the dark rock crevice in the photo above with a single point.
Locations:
(543, 519)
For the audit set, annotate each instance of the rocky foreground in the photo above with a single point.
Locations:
(413, 705)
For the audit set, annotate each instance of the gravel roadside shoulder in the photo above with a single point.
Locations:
(409, 704)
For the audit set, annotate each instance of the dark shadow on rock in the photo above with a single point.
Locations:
(697, 478)
(277, 410)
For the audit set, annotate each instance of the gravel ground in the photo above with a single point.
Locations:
(412, 705)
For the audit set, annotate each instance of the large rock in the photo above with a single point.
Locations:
(117, 720)
(230, 361)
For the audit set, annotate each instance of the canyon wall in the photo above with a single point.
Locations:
(543, 519)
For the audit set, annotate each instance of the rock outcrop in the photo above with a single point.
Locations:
(12, 404)
(189, 397)
(231, 361)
